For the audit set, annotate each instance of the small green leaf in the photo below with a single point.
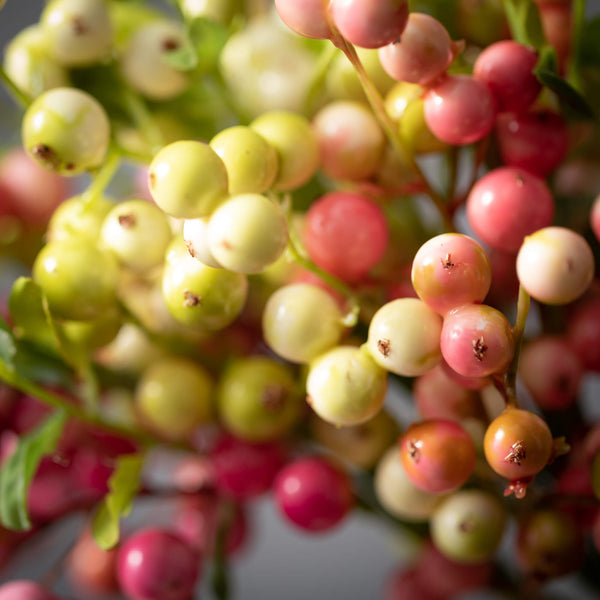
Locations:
(27, 311)
(572, 102)
(123, 484)
(18, 470)
(524, 22)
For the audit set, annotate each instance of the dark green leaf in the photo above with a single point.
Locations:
(547, 60)
(572, 102)
(123, 485)
(18, 471)
(524, 22)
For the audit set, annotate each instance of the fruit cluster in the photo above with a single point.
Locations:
(238, 226)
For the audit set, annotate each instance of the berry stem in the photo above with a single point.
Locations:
(510, 377)
(21, 98)
(142, 117)
(351, 317)
(390, 130)
(26, 386)
(102, 178)
(220, 579)
(318, 76)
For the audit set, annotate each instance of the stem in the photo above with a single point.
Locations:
(47, 397)
(518, 331)
(220, 579)
(390, 130)
(142, 117)
(318, 75)
(19, 96)
(102, 178)
(351, 318)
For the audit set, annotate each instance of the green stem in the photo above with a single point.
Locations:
(318, 76)
(102, 178)
(351, 317)
(510, 378)
(391, 131)
(20, 97)
(43, 395)
(142, 117)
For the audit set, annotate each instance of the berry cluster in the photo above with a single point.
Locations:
(239, 226)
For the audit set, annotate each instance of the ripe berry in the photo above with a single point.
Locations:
(346, 234)
(421, 54)
(507, 204)
(507, 68)
(155, 564)
(369, 24)
(477, 340)
(450, 270)
(438, 455)
(23, 589)
(518, 445)
(460, 110)
(308, 18)
(314, 494)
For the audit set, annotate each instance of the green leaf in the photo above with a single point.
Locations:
(123, 484)
(29, 317)
(524, 22)
(18, 470)
(572, 102)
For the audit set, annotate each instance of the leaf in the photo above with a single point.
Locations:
(18, 470)
(123, 484)
(208, 38)
(571, 100)
(29, 317)
(524, 22)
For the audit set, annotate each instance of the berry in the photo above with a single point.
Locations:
(555, 265)
(507, 204)
(23, 589)
(460, 110)
(313, 494)
(154, 564)
(438, 455)
(66, 130)
(308, 18)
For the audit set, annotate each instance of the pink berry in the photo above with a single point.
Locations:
(507, 204)
(551, 371)
(306, 17)
(346, 234)
(369, 24)
(477, 340)
(314, 494)
(507, 68)
(24, 590)
(154, 564)
(449, 270)
(438, 455)
(535, 141)
(421, 54)
(460, 110)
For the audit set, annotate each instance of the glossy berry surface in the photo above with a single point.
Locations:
(314, 494)
(438, 455)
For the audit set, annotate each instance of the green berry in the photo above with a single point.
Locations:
(174, 396)
(188, 179)
(76, 218)
(78, 279)
(247, 233)
(250, 160)
(138, 233)
(258, 399)
(66, 130)
(345, 386)
(199, 295)
(296, 144)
